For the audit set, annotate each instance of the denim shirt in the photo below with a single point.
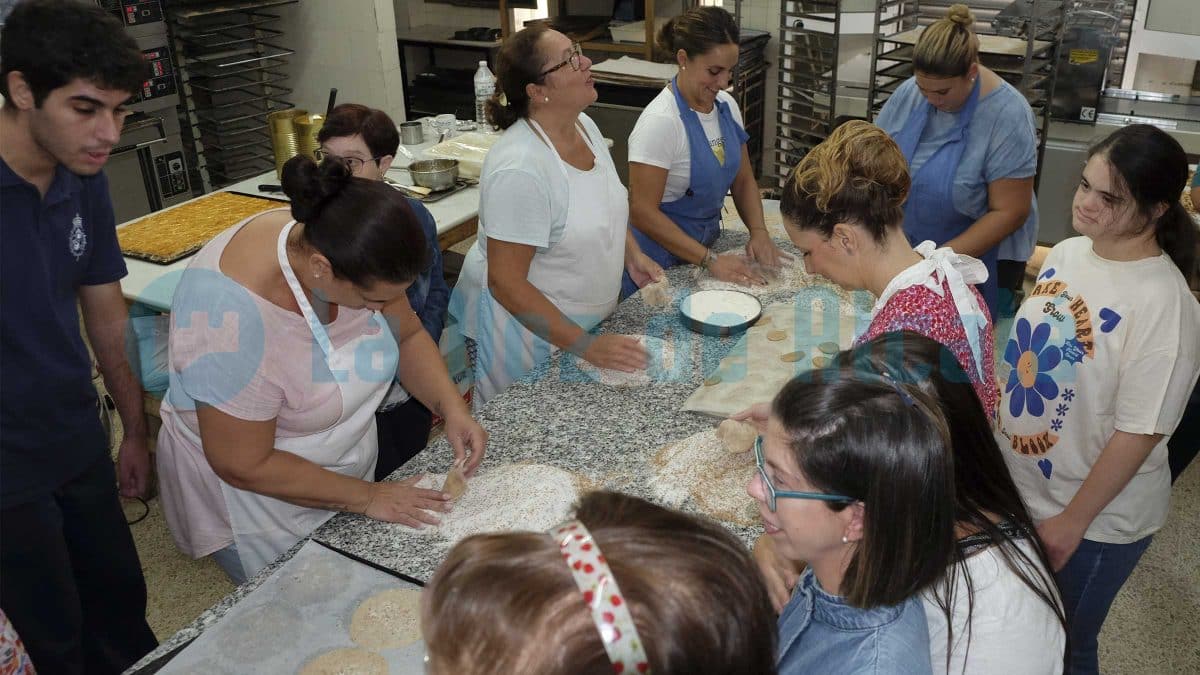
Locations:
(428, 295)
(820, 633)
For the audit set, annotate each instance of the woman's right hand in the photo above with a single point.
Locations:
(781, 575)
(616, 352)
(735, 269)
(400, 502)
(756, 414)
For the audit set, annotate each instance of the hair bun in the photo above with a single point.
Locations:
(961, 15)
(310, 186)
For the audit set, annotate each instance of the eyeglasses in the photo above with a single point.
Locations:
(773, 494)
(352, 163)
(573, 60)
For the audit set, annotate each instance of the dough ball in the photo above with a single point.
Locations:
(346, 661)
(737, 436)
(658, 293)
(388, 620)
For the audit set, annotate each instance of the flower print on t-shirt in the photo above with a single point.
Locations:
(1050, 342)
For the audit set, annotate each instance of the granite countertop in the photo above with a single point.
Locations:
(551, 416)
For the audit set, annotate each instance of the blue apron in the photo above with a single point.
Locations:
(929, 212)
(698, 211)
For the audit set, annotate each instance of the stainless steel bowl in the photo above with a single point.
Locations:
(435, 174)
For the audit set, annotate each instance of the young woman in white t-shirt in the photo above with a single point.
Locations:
(1103, 355)
(688, 150)
(996, 610)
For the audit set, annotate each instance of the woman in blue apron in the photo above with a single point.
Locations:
(688, 150)
(970, 143)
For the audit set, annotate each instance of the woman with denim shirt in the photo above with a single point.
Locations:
(869, 507)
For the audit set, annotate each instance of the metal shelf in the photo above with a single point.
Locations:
(233, 64)
(1024, 55)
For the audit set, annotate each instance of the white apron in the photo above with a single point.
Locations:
(265, 527)
(580, 275)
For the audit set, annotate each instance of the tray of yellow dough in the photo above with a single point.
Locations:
(789, 339)
(321, 613)
(171, 234)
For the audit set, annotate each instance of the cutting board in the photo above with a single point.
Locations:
(755, 368)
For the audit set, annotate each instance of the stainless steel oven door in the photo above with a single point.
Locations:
(147, 171)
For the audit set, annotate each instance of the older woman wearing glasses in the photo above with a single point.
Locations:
(869, 507)
(553, 223)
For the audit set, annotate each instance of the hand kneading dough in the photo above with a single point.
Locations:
(658, 293)
(388, 620)
(456, 483)
(347, 661)
(737, 436)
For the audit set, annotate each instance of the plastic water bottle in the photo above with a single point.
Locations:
(485, 86)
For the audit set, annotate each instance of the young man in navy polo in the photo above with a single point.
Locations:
(70, 578)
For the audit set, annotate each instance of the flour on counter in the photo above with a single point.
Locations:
(700, 467)
(514, 497)
(661, 355)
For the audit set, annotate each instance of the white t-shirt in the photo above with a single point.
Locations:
(659, 139)
(523, 199)
(1098, 346)
(1012, 629)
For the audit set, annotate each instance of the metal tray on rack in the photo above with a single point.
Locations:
(229, 37)
(239, 57)
(236, 82)
(204, 9)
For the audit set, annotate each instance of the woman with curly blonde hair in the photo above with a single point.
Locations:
(843, 206)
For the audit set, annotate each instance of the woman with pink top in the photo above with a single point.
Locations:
(286, 332)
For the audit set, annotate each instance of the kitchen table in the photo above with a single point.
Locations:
(606, 434)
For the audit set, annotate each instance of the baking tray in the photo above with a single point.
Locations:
(189, 226)
(302, 610)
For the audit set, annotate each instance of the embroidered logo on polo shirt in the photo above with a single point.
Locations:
(78, 238)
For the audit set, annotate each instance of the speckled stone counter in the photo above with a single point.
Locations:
(552, 416)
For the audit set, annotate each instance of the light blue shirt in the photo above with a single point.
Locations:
(820, 633)
(1001, 143)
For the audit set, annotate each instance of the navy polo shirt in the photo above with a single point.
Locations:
(49, 427)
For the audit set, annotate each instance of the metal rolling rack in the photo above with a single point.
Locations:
(231, 70)
(808, 63)
(750, 90)
(1038, 23)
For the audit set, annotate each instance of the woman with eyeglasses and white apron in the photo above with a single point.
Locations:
(688, 150)
(286, 334)
(553, 224)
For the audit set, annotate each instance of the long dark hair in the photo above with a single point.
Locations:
(983, 484)
(365, 228)
(696, 596)
(902, 472)
(1154, 168)
(518, 64)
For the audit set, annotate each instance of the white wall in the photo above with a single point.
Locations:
(347, 44)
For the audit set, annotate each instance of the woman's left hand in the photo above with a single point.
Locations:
(464, 433)
(642, 269)
(1061, 535)
(763, 250)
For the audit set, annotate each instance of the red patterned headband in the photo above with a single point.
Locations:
(603, 597)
